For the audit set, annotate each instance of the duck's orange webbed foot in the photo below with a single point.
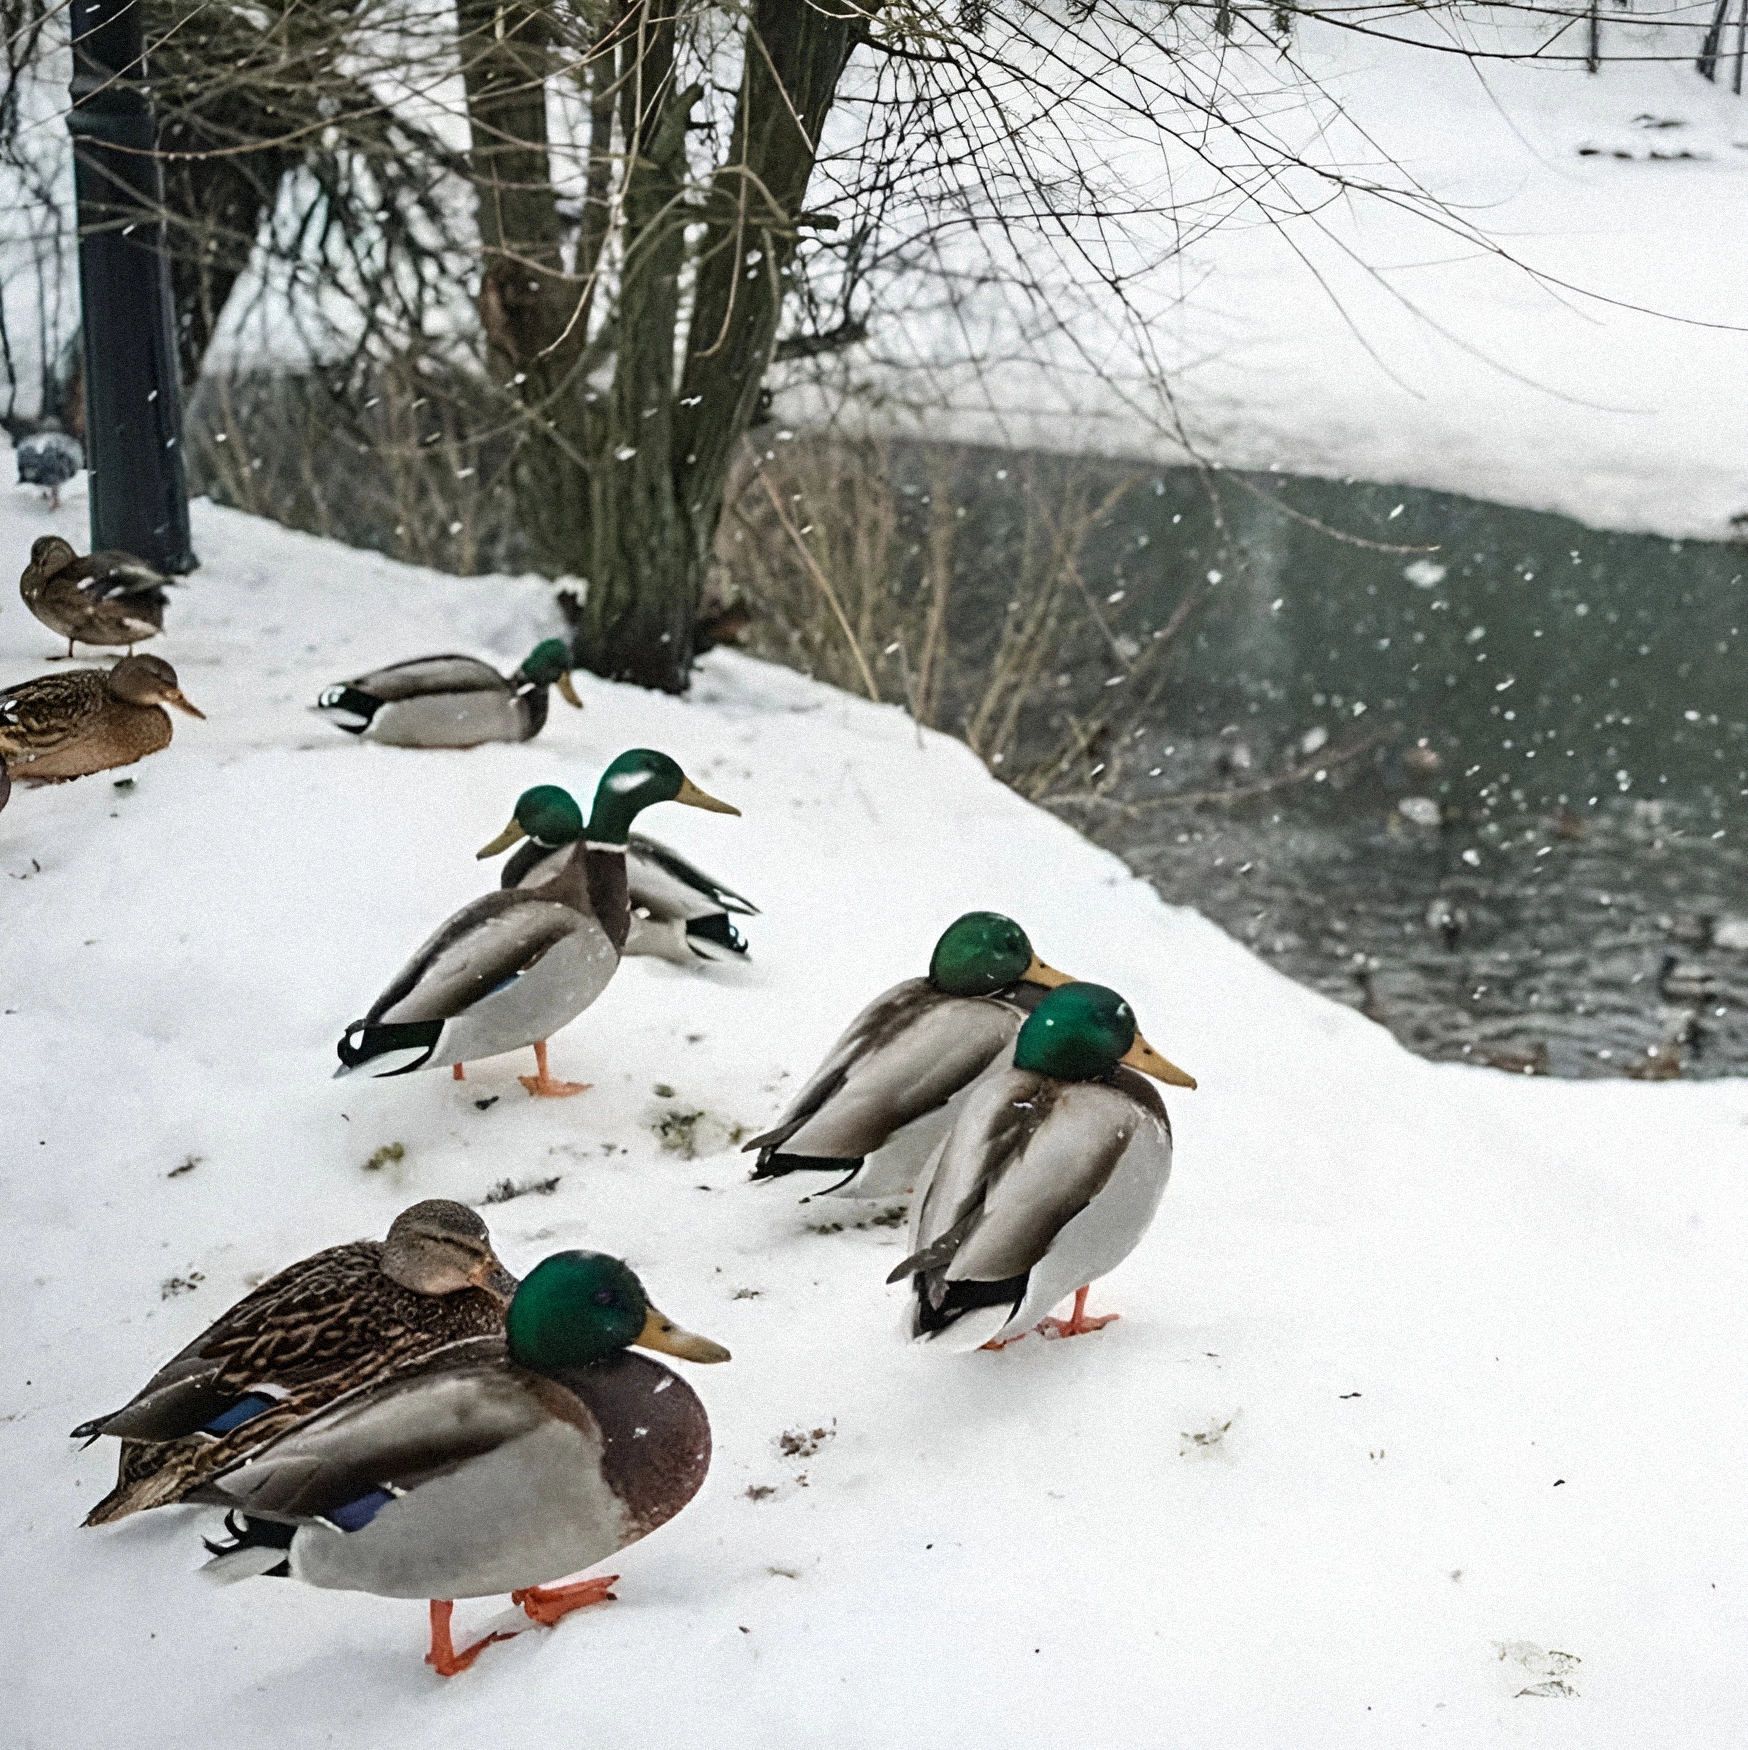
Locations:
(543, 1084)
(1077, 1324)
(443, 1658)
(546, 1604)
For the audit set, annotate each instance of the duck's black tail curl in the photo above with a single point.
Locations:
(257, 1546)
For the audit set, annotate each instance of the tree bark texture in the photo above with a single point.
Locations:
(622, 483)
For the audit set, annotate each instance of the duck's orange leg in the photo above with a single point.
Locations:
(457, 1072)
(542, 1083)
(548, 1603)
(1077, 1324)
(443, 1657)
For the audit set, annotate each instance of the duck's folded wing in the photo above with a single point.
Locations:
(45, 712)
(110, 574)
(296, 1322)
(908, 1052)
(667, 886)
(390, 1436)
(1059, 1168)
(486, 944)
(1025, 1157)
(430, 674)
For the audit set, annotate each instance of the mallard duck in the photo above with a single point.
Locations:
(317, 1329)
(513, 967)
(678, 912)
(1048, 1179)
(887, 1088)
(86, 720)
(452, 701)
(498, 1465)
(104, 598)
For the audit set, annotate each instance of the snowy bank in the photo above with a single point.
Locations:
(1419, 1363)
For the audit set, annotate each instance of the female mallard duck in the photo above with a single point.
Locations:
(499, 1465)
(86, 720)
(513, 967)
(317, 1330)
(678, 912)
(888, 1086)
(1050, 1176)
(452, 701)
(104, 598)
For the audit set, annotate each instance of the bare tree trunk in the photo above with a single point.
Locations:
(530, 307)
(656, 507)
(643, 587)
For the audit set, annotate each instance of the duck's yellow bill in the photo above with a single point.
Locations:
(1039, 973)
(662, 1334)
(570, 692)
(175, 697)
(502, 842)
(693, 797)
(1143, 1057)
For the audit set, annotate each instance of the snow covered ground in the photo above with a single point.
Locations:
(1530, 288)
(1424, 1413)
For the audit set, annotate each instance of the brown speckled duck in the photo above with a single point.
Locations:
(105, 598)
(62, 726)
(321, 1327)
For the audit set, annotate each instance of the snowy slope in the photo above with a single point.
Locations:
(1475, 1341)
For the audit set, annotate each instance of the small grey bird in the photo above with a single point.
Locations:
(49, 458)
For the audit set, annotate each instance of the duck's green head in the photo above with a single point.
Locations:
(639, 777)
(549, 665)
(578, 1308)
(984, 952)
(1080, 1032)
(548, 815)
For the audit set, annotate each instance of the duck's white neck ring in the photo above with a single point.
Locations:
(597, 845)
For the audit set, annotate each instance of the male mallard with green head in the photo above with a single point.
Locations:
(1050, 1176)
(452, 701)
(315, 1331)
(500, 1465)
(511, 968)
(68, 725)
(678, 912)
(104, 598)
(888, 1088)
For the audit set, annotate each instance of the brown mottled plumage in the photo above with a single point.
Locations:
(322, 1327)
(104, 598)
(62, 726)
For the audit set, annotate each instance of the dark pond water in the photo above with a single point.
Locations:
(1493, 790)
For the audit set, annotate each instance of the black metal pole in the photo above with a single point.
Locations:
(133, 398)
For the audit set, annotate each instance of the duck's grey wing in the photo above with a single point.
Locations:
(430, 674)
(390, 1436)
(485, 944)
(1026, 1156)
(668, 886)
(907, 1053)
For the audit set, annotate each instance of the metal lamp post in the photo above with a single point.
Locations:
(133, 399)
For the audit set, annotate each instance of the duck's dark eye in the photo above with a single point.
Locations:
(604, 1297)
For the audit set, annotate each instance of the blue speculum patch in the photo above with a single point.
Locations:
(245, 1409)
(355, 1515)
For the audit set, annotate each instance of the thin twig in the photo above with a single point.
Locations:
(818, 575)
